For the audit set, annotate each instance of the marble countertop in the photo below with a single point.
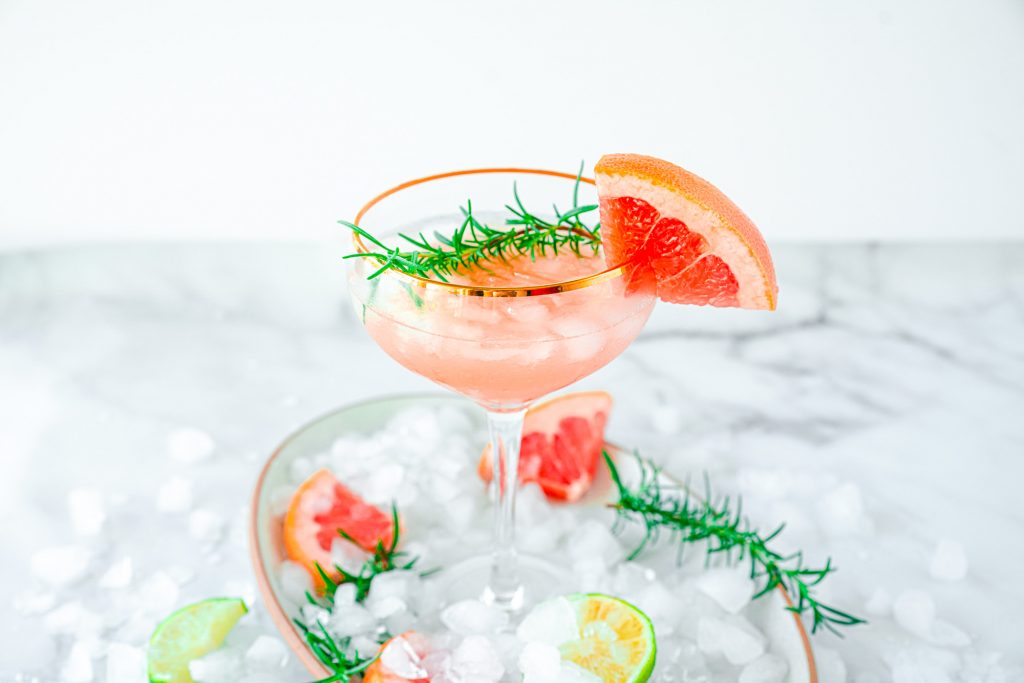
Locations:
(879, 412)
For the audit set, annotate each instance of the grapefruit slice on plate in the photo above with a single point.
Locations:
(684, 240)
(318, 509)
(562, 442)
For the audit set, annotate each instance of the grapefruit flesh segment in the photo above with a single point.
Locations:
(680, 237)
(318, 509)
(562, 443)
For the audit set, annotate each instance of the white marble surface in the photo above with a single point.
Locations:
(878, 412)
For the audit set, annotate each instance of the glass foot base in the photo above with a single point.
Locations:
(470, 580)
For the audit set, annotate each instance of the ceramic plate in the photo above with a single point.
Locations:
(784, 630)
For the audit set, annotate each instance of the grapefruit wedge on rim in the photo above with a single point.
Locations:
(682, 237)
(562, 443)
(321, 507)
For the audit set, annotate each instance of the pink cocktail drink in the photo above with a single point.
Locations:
(505, 351)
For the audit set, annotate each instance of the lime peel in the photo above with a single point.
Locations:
(188, 634)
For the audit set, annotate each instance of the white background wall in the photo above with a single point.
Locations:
(127, 119)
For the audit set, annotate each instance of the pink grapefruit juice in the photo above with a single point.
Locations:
(504, 351)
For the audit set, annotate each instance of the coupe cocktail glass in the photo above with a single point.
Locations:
(503, 335)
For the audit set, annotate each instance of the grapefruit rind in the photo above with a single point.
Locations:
(315, 496)
(677, 193)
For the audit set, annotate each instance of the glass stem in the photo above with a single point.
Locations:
(505, 589)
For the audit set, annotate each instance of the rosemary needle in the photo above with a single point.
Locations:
(473, 242)
(726, 533)
(335, 653)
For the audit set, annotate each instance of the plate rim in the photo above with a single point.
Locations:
(275, 609)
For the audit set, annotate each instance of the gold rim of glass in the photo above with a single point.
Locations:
(462, 290)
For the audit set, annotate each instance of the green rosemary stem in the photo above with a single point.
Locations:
(334, 653)
(659, 507)
(474, 243)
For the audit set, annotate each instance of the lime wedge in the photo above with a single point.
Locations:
(606, 636)
(188, 634)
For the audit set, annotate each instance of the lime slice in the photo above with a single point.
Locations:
(604, 635)
(188, 634)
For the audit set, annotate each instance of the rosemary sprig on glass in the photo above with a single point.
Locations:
(336, 654)
(475, 242)
(664, 508)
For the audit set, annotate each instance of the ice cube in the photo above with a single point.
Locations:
(946, 634)
(661, 606)
(118, 575)
(985, 666)
(266, 652)
(949, 561)
(473, 617)
(72, 617)
(314, 616)
(86, 509)
(77, 667)
(364, 645)
(539, 663)
(571, 673)
(879, 604)
(395, 583)
(631, 579)
(592, 539)
(189, 445)
(437, 664)
(125, 664)
(295, 581)
(732, 636)
(301, 468)
(352, 620)
(768, 668)
(399, 622)
(731, 587)
(60, 565)
(452, 420)
(831, 667)
(161, 592)
(475, 659)
(217, 667)
(383, 484)
(459, 514)
(281, 499)
(914, 610)
(841, 511)
(347, 555)
(384, 607)
(345, 595)
(175, 495)
(30, 603)
(400, 659)
(180, 574)
(205, 525)
(552, 622)
(920, 672)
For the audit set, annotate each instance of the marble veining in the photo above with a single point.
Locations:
(877, 412)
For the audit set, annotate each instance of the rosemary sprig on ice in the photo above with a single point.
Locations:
(336, 654)
(673, 510)
(473, 242)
